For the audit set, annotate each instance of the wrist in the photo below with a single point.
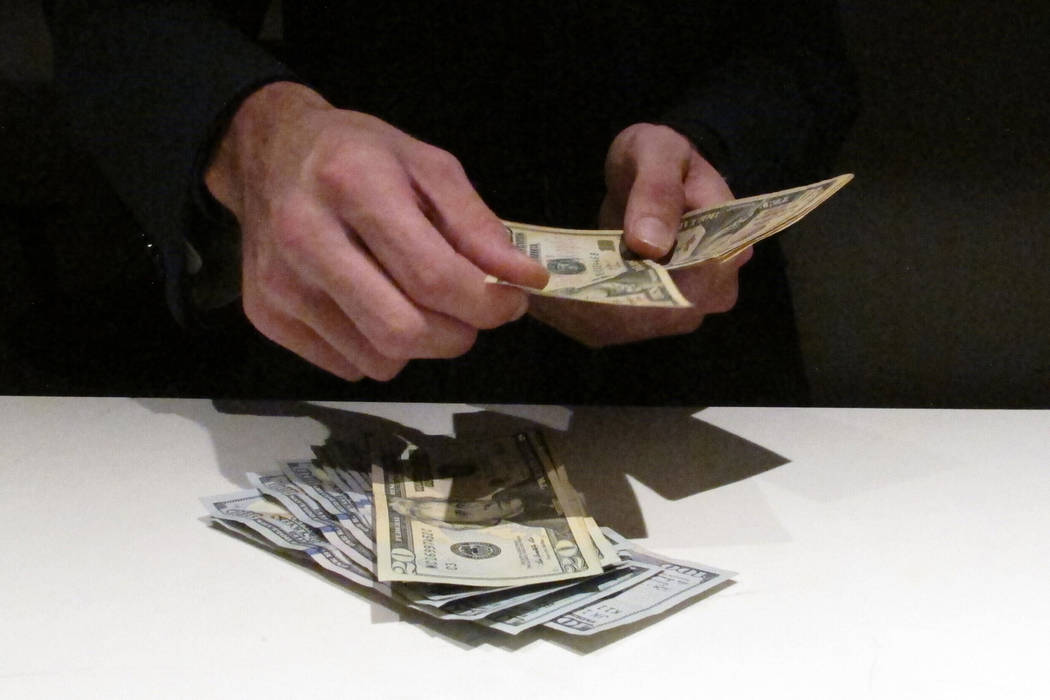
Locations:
(254, 126)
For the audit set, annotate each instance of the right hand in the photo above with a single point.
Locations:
(362, 248)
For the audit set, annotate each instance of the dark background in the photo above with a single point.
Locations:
(924, 283)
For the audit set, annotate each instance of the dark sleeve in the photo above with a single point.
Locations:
(774, 112)
(146, 87)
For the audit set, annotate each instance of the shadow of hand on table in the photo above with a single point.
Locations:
(666, 449)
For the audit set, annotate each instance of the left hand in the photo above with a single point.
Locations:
(653, 175)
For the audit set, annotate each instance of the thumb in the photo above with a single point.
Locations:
(654, 207)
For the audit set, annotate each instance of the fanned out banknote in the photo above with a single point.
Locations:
(596, 266)
(488, 530)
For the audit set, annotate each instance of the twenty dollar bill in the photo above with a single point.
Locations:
(596, 266)
(487, 514)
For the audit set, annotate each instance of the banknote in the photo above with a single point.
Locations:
(596, 266)
(555, 468)
(540, 610)
(719, 233)
(440, 595)
(494, 523)
(321, 483)
(299, 504)
(486, 513)
(592, 266)
(279, 526)
(349, 463)
(486, 602)
(242, 531)
(676, 582)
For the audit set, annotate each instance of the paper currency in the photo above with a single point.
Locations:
(279, 526)
(488, 514)
(720, 232)
(321, 483)
(571, 576)
(596, 266)
(537, 612)
(308, 511)
(675, 582)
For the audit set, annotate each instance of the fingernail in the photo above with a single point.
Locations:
(652, 232)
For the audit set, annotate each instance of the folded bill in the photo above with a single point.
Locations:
(596, 266)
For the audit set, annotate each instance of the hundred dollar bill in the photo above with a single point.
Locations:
(676, 582)
(301, 506)
(596, 266)
(350, 465)
(539, 611)
(485, 513)
(243, 532)
(277, 525)
(486, 602)
(353, 510)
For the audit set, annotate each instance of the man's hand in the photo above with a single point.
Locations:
(362, 248)
(653, 175)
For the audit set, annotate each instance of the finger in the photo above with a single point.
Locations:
(317, 247)
(459, 214)
(300, 339)
(420, 260)
(713, 287)
(704, 186)
(325, 318)
(657, 198)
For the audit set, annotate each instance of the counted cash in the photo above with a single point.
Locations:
(596, 266)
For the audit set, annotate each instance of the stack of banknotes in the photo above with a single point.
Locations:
(488, 530)
(596, 266)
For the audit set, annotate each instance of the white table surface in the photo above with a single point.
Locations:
(881, 554)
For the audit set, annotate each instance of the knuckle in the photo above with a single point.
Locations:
(401, 337)
(665, 192)
(443, 164)
(723, 293)
(386, 369)
(271, 280)
(686, 322)
(288, 229)
(461, 343)
(662, 131)
(430, 284)
(498, 305)
(344, 164)
(257, 311)
(726, 300)
(336, 173)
